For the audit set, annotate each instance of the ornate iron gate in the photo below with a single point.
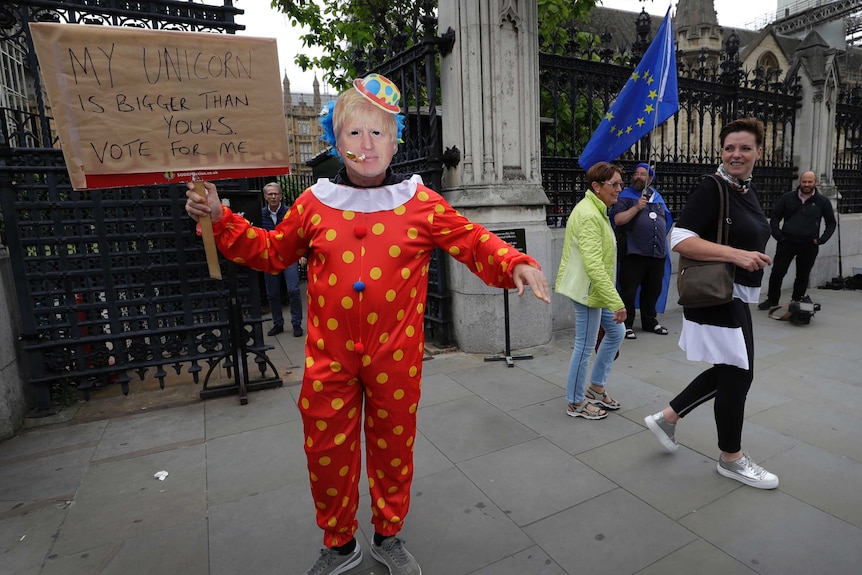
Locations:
(847, 171)
(113, 282)
(577, 89)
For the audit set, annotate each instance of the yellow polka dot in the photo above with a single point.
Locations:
(347, 302)
(382, 413)
(321, 425)
(382, 378)
(391, 295)
(395, 462)
(372, 318)
(330, 235)
(349, 345)
(400, 210)
(320, 301)
(412, 233)
(316, 219)
(379, 473)
(312, 476)
(410, 331)
(369, 421)
(345, 501)
(405, 470)
(309, 442)
(348, 215)
(454, 250)
(381, 503)
(348, 257)
(309, 361)
(412, 408)
(398, 355)
(321, 257)
(409, 442)
(423, 196)
(337, 403)
(378, 229)
(479, 266)
(439, 208)
(398, 429)
(335, 366)
(332, 521)
(381, 443)
(413, 371)
(366, 360)
(395, 519)
(343, 471)
(340, 439)
(239, 260)
(264, 255)
(304, 403)
(320, 344)
(332, 492)
(502, 251)
(413, 293)
(320, 505)
(333, 279)
(384, 337)
(317, 385)
(392, 490)
(250, 233)
(420, 308)
(352, 413)
(405, 273)
(400, 315)
(324, 461)
(375, 273)
(399, 394)
(430, 218)
(299, 208)
(395, 251)
(332, 324)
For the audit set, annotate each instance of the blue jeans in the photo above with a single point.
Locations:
(587, 322)
(273, 293)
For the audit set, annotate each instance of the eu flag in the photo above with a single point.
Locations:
(648, 98)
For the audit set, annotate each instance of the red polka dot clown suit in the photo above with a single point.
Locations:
(367, 283)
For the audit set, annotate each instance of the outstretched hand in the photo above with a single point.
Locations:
(198, 206)
(525, 274)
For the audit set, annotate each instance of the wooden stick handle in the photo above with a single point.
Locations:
(208, 237)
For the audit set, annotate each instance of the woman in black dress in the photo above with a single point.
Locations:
(723, 335)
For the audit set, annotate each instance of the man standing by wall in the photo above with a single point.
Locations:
(801, 210)
(641, 220)
(273, 213)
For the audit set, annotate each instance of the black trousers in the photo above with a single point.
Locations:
(728, 384)
(805, 252)
(646, 273)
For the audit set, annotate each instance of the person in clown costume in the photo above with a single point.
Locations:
(369, 234)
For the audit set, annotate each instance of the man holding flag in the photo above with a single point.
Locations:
(648, 98)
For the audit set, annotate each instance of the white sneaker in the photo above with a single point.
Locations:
(747, 471)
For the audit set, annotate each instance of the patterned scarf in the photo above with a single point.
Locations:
(735, 184)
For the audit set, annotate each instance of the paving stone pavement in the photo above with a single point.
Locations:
(506, 483)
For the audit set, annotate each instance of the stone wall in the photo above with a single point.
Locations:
(13, 397)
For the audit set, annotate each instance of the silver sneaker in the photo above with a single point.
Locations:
(331, 563)
(747, 471)
(664, 430)
(393, 554)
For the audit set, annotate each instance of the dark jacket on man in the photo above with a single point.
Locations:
(802, 220)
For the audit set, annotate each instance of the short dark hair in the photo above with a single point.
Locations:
(602, 172)
(750, 125)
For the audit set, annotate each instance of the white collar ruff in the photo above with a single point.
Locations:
(365, 200)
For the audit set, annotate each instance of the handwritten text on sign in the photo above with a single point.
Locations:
(130, 101)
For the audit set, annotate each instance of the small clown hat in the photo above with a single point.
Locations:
(380, 91)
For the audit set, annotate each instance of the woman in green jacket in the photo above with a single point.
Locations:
(587, 276)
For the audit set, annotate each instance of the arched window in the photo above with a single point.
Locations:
(767, 62)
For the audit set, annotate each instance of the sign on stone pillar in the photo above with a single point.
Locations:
(490, 91)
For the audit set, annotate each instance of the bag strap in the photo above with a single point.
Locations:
(723, 227)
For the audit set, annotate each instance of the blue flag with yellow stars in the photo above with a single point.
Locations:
(648, 98)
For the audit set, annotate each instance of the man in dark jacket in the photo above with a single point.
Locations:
(273, 213)
(801, 210)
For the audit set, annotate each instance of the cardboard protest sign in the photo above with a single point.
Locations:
(143, 107)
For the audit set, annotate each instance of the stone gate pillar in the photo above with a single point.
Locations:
(490, 102)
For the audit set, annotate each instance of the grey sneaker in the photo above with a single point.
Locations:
(665, 431)
(393, 554)
(747, 471)
(331, 563)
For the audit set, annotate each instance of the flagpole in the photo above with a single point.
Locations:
(665, 64)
